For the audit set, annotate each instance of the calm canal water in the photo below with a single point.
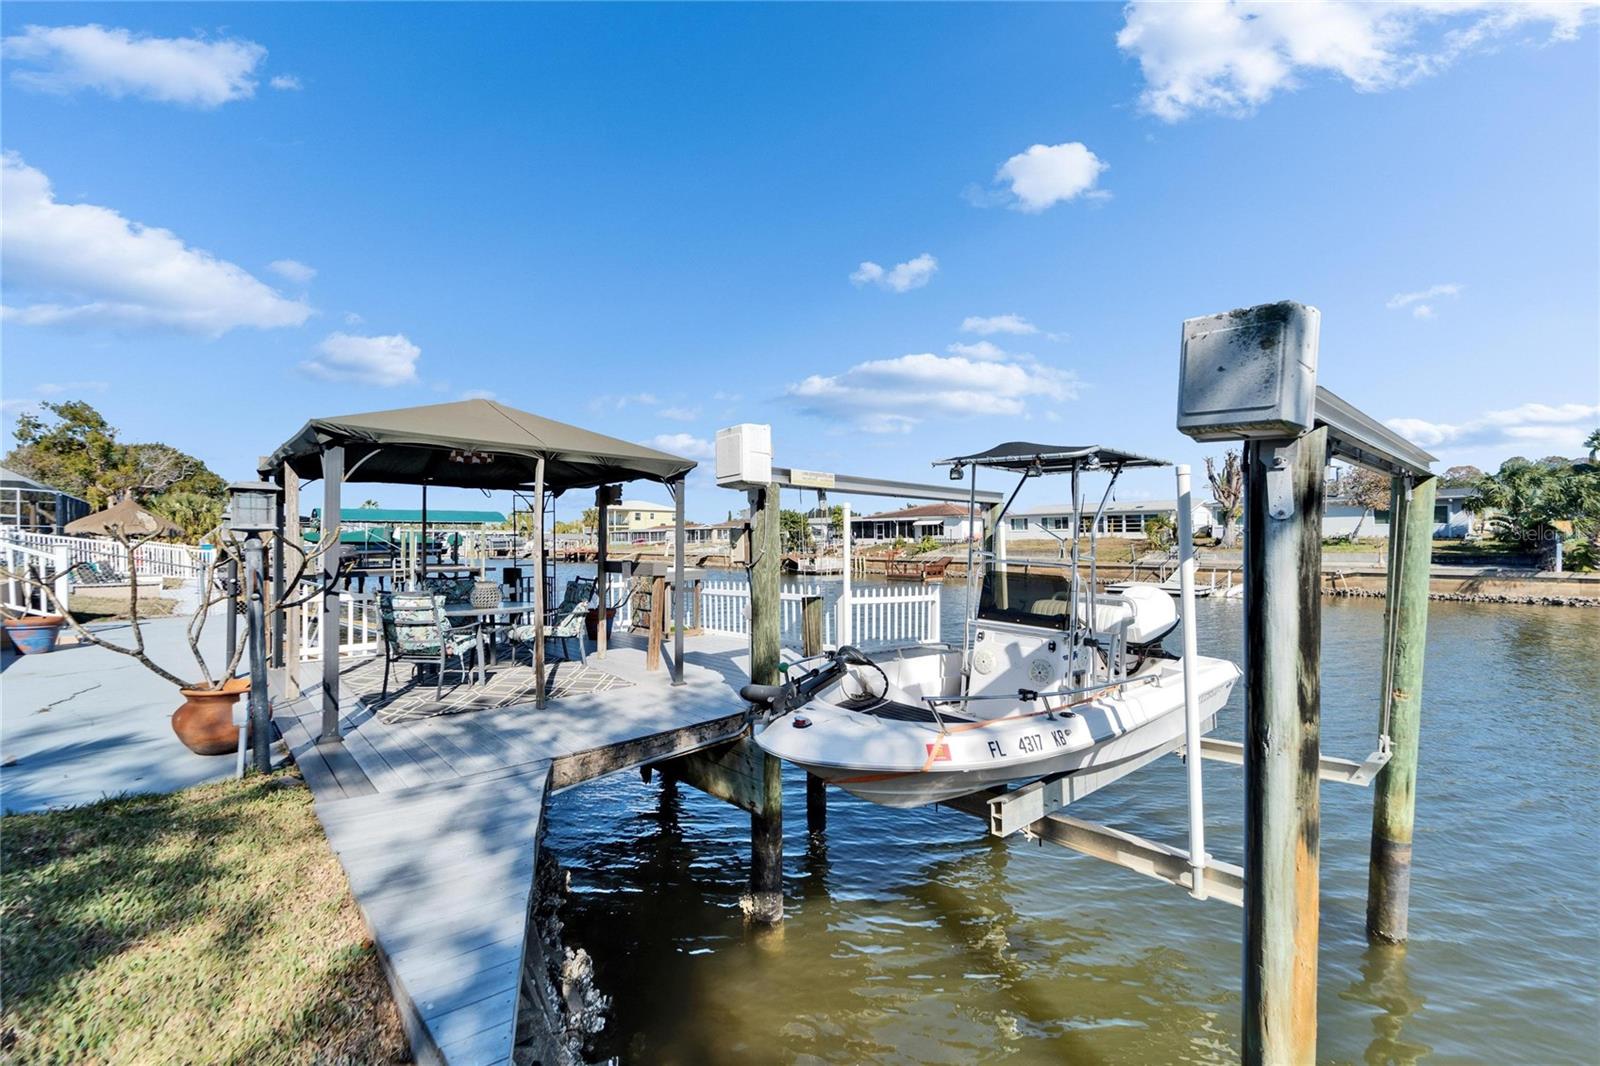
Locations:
(912, 938)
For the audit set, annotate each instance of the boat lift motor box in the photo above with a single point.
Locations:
(1250, 373)
(744, 456)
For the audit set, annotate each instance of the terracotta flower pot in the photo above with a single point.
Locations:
(205, 721)
(34, 633)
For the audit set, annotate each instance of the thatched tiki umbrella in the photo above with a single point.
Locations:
(125, 517)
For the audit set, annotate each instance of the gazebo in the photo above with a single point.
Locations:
(473, 444)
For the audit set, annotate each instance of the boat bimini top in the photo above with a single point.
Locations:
(1025, 457)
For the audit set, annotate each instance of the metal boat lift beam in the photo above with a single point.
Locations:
(950, 492)
(1361, 439)
(1224, 881)
(1339, 771)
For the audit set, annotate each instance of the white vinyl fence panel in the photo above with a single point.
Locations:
(894, 614)
(155, 560)
(360, 627)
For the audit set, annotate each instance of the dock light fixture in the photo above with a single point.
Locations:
(253, 507)
(957, 471)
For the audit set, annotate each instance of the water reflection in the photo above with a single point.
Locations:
(1386, 984)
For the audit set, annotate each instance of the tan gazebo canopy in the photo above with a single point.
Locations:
(127, 517)
(473, 444)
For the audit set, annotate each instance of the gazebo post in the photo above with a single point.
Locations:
(538, 584)
(602, 500)
(332, 483)
(678, 548)
(278, 533)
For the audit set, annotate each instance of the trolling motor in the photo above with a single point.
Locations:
(796, 693)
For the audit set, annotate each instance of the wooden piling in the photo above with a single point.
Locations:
(1283, 633)
(811, 644)
(1405, 639)
(766, 826)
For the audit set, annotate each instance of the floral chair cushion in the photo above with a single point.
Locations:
(415, 625)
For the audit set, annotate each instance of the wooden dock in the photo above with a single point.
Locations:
(435, 810)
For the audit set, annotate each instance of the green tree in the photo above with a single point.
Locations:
(1460, 477)
(71, 446)
(796, 532)
(836, 519)
(1367, 489)
(369, 505)
(1537, 503)
(196, 514)
(1161, 530)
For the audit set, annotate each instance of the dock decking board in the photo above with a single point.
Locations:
(436, 822)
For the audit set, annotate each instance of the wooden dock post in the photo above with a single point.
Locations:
(766, 827)
(332, 483)
(1283, 678)
(1405, 639)
(811, 644)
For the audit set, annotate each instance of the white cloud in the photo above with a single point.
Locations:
(390, 360)
(1048, 174)
(115, 272)
(285, 82)
(997, 324)
(1415, 300)
(622, 403)
(292, 270)
(478, 394)
(902, 277)
(55, 388)
(174, 70)
(684, 444)
(352, 319)
(680, 414)
(1532, 429)
(895, 395)
(1231, 57)
(986, 351)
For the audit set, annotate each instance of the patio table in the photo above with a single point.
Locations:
(478, 616)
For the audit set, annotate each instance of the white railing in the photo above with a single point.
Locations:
(895, 614)
(360, 627)
(892, 614)
(19, 565)
(155, 560)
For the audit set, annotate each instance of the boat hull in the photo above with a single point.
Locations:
(902, 763)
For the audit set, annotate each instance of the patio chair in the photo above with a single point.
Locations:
(416, 631)
(566, 621)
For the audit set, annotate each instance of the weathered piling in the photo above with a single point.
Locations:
(811, 644)
(1405, 640)
(766, 825)
(1283, 632)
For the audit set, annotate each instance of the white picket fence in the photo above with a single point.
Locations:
(19, 564)
(360, 627)
(889, 614)
(155, 560)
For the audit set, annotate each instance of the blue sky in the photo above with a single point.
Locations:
(653, 221)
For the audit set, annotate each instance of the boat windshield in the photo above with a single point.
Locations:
(1027, 593)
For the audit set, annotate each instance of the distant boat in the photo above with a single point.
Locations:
(1170, 586)
(800, 563)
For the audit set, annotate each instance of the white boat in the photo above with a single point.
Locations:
(1050, 680)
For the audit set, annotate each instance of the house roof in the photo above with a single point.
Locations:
(1115, 507)
(12, 480)
(472, 444)
(926, 510)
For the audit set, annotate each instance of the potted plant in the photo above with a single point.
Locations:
(32, 634)
(204, 722)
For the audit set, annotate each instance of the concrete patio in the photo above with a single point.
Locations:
(82, 723)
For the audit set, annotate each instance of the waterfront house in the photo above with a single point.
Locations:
(1451, 519)
(1119, 519)
(630, 521)
(944, 522)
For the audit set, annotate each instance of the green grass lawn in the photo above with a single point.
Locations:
(210, 925)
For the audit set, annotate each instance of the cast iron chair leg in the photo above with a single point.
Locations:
(387, 663)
